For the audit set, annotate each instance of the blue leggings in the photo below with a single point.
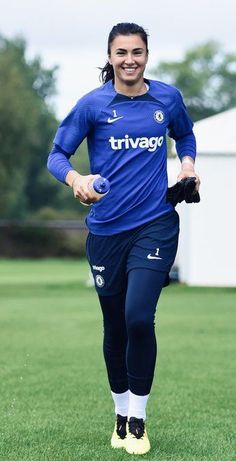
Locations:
(129, 344)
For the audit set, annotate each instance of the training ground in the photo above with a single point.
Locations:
(55, 400)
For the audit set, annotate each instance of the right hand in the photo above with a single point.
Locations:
(81, 188)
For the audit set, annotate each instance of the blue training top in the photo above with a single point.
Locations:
(126, 139)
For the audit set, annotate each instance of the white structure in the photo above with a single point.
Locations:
(207, 248)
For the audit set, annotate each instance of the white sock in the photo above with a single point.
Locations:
(137, 405)
(121, 402)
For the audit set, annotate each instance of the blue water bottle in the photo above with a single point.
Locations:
(100, 186)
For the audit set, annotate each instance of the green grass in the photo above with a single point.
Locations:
(55, 402)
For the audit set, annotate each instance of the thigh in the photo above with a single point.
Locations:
(143, 291)
(155, 245)
(113, 308)
(107, 256)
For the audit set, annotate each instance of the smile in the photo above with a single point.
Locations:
(129, 70)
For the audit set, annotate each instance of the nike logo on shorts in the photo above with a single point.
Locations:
(155, 256)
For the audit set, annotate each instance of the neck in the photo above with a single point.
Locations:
(136, 89)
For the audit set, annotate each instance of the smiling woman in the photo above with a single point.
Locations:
(127, 60)
(134, 229)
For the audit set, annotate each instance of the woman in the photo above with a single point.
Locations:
(133, 230)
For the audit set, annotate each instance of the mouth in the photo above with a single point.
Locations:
(129, 70)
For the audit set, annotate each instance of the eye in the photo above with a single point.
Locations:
(120, 53)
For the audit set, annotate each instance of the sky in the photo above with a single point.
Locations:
(73, 34)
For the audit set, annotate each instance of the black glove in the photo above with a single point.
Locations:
(183, 190)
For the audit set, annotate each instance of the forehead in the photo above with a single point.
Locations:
(127, 42)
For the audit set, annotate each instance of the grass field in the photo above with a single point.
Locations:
(55, 400)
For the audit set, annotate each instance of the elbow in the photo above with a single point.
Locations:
(49, 163)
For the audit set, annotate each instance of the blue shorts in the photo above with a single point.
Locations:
(152, 245)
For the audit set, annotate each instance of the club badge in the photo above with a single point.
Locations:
(159, 116)
(99, 280)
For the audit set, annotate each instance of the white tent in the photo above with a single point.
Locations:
(207, 249)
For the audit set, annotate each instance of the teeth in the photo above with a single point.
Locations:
(129, 70)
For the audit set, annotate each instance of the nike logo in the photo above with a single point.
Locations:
(156, 255)
(111, 120)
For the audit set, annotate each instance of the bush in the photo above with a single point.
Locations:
(32, 241)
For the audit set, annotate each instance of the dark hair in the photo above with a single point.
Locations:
(123, 28)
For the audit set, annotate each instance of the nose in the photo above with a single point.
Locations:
(129, 58)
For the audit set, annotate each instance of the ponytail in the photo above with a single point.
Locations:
(107, 73)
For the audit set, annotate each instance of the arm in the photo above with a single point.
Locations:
(60, 167)
(71, 132)
(180, 130)
(58, 163)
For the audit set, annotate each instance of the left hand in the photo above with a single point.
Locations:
(187, 171)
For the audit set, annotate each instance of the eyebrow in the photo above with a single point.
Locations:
(135, 49)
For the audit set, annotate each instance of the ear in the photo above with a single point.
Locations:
(109, 60)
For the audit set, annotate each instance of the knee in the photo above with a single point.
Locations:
(115, 337)
(140, 327)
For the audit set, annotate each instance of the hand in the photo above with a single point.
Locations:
(81, 188)
(188, 171)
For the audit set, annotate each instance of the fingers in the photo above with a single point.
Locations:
(187, 174)
(198, 182)
(82, 189)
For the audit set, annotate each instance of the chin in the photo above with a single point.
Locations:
(130, 81)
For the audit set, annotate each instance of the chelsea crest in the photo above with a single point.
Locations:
(159, 116)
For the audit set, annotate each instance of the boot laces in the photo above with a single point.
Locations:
(121, 426)
(136, 427)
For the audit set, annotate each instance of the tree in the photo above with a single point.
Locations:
(27, 125)
(206, 77)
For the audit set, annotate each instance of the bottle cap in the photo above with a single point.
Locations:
(101, 185)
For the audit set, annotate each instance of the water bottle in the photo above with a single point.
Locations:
(100, 186)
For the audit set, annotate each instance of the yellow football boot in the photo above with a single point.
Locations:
(136, 442)
(119, 434)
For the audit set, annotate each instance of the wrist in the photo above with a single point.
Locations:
(77, 177)
(187, 163)
(71, 177)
